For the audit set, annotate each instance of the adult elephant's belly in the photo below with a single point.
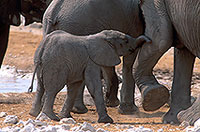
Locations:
(185, 17)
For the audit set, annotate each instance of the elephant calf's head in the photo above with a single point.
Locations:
(105, 47)
(123, 43)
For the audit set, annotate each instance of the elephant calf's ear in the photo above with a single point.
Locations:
(102, 53)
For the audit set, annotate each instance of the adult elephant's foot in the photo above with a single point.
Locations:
(191, 114)
(105, 119)
(112, 102)
(79, 108)
(154, 97)
(34, 112)
(127, 109)
(171, 117)
(64, 115)
(51, 115)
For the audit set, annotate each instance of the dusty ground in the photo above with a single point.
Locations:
(20, 54)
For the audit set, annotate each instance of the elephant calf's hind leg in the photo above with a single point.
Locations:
(37, 104)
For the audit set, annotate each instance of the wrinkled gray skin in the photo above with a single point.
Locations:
(169, 23)
(65, 59)
(192, 114)
(83, 17)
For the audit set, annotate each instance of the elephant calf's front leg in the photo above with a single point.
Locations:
(93, 82)
(127, 102)
(72, 91)
(79, 106)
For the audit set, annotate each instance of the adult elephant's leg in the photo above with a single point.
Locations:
(159, 29)
(79, 106)
(4, 33)
(127, 103)
(112, 85)
(181, 94)
(93, 82)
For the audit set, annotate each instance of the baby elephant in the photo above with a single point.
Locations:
(64, 59)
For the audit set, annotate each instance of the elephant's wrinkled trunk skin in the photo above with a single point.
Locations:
(159, 29)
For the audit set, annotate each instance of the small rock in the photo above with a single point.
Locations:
(160, 130)
(43, 117)
(39, 123)
(51, 129)
(123, 127)
(77, 128)
(142, 129)
(68, 121)
(11, 119)
(3, 114)
(20, 123)
(16, 129)
(107, 125)
(87, 127)
(28, 128)
(100, 130)
(30, 121)
(6, 129)
(42, 128)
(65, 127)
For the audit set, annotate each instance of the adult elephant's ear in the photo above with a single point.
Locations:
(102, 53)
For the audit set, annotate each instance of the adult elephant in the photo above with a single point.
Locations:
(10, 11)
(169, 23)
(92, 16)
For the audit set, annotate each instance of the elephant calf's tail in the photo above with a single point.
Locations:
(30, 89)
(38, 62)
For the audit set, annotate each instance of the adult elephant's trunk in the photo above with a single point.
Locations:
(159, 30)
